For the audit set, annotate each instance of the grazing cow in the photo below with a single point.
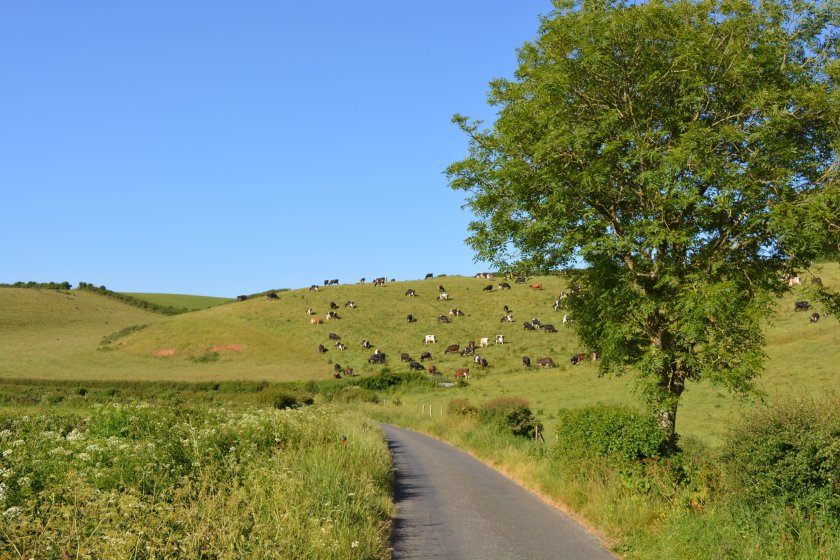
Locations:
(456, 312)
(549, 328)
(241, 298)
(500, 339)
(416, 366)
(558, 305)
(310, 311)
(333, 336)
(483, 363)
(506, 309)
(272, 295)
(536, 322)
(410, 318)
(410, 293)
(488, 288)
(433, 370)
(366, 343)
(452, 349)
(333, 305)
(545, 362)
(801, 306)
(441, 289)
(429, 275)
(567, 319)
(477, 359)
(406, 358)
(377, 351)
(332, 315)
(526, 361)
(340, 346)
(443, 296)
(578, 358)
(484, 342)
(336, 375)
(326, 282)
(536, 286)
(443, 318)
(377, 282)
(528, 326)
(504, 286)
(429, 339)
(507, 318)
(467, 350)
(377, 359)
(350, 303)
(333, 283)
(322, 349)
(315, 320)
(313, 288)
(425, 356)
(337, 368)
(348, 371)
(793, 281)
(361, 281)
(463, 372)
(520, 279)
(815, 317)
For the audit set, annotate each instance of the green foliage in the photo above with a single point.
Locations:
(461, 407)
(510, 414)
(205, 358)
(603, 431)
(389, 380)
(788, 456)
(133, 301)
(686, 154)
(39, 285)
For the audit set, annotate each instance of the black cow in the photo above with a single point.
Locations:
(520, 279)
(443, 318)
(416, 366)
(377, 359)
(406, 358)
(429, 275)
(815, 317)
(272, 295)
(549, 328)
(410, 293)
(322, 348)
(528, 326)
(488, 288)
(334, 336)
(504, 286)
(333, 305)
(241, 298)
(441, 289)
(332, 283)
(410, 318)
(801, 306)
(526, 361)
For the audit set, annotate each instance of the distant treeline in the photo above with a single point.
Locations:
(130, 300)
(40, 285)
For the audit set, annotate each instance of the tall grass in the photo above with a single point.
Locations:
(142, 481)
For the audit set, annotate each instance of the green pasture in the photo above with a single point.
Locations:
(49, 334)
(180, 301)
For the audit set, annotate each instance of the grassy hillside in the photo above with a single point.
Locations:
(55, 334)
(180, 301)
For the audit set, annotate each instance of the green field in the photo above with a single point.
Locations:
(180, 301)
(77, 335)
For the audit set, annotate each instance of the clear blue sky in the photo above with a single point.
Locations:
(220, 148)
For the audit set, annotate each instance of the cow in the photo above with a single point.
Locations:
(322, 349)
(410, 318)
(441, 289)
(340, 346)
(536, 322)
(483, 363)
(429, 339)
(361, 281)
(313, 288)
(377, 359)
(365, 343)
(348, 371)
(536, 286)
(425, 356)
(411, 293)
(504, 286)
(377, 282)
(433, 370)
(467, 350)
(507, 318)
(443, 318)
(416, 366)
(310, 311)
(484, 342)
(549, 328)
(463, 372)
(578, 358)
(272, 295)
(377, 351)
(528, 326)
(815, 317)
(477, 359)
(350, 303)
(456, 312)
(452, 349)
(333, 336)
(406, 358)
(500, 339)
(545, 362)
(558, 305)
(332, 315)
(520, 279)
(801, 306)
(793, 281)
(336, 375)
(526, 361)
(488, 288)
(443, 296)
(337, 368)
(429, 275)
(333, 283)
(241, 298)
(593, 356)
(333, 305)
(567, 319)
(315, 320)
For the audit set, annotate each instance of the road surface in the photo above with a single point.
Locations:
(453, 507)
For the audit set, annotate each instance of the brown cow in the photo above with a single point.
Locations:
(433, 369)
(315, 320)
(536, 286)
(578, 358)
(463, 372)
(545, 362)
(451, 349)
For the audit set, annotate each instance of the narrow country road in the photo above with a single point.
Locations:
(453, 507)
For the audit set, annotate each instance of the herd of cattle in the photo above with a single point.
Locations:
(470, 349)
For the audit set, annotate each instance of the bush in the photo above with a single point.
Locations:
(280, 398)
(462, 407)
(510, 414)
(788, 454)
(610, 431)
(388, 380)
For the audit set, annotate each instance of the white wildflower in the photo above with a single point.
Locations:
(74, 435)
(18, 443)
(5, 433)
(7, 452)
(13, 511)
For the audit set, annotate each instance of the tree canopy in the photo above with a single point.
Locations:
(678, 159)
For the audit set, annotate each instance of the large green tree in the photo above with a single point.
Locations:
(678, 159)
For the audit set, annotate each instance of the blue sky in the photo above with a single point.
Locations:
(220, 148)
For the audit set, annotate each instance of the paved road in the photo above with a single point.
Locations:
(453, 507)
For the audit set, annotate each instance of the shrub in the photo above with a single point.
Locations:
(609, 431)
(280, 398)
(788, 454)
(462, 407)
(510, 414)
(388, 380)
